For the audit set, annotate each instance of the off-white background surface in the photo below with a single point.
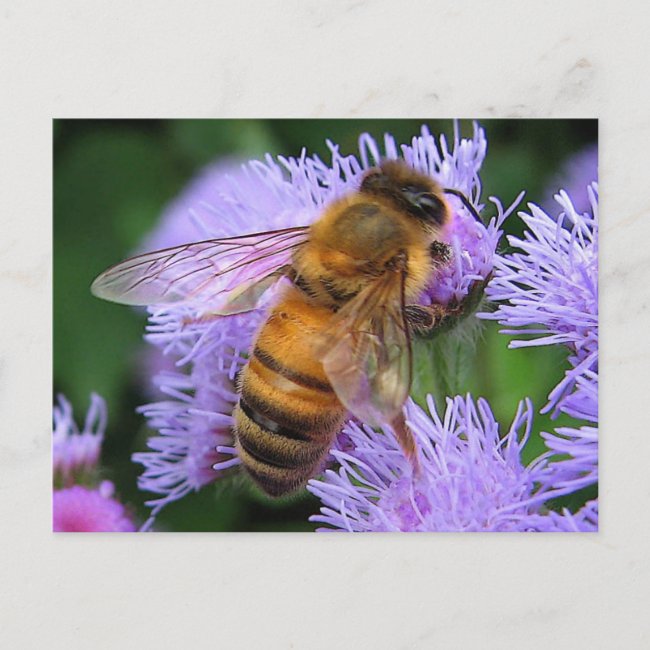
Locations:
(305, 58)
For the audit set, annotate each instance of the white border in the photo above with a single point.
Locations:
(311, 58)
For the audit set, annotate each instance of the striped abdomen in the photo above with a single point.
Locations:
(288, 414)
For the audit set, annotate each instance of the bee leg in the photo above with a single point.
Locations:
(425, 319)
(406, 441)
(429, 320)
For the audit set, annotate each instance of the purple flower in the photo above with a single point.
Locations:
(76, 453)
(269, 195)
(471, 476)
(584, 520)
(549, 290)
(80, 509)
(580, 444)
(198, 416)
(90, 507)
(575, 448)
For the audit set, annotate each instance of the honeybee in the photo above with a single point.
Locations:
(338, 340)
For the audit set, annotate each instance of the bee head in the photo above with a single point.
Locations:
(408, 190)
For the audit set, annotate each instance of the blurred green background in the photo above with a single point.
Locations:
(112, 179)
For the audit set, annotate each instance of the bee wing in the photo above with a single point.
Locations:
(234, 269)
(366, 353)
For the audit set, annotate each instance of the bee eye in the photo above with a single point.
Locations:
(431, 207)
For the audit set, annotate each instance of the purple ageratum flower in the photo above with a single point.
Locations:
(583, 521)
(195, 424)
(79, 509)
(75, 453)
(576, 446)
(549, 290)
(580, 469)
(270, 195)
(474, 247)
(552, 286)
(471, 476)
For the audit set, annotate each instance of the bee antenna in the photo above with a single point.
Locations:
(465, 201)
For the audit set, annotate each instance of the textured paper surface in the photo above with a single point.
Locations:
(317, 59)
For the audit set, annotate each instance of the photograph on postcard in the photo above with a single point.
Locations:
(358, 325)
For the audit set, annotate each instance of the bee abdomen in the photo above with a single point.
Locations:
(288, 413)
(280, 460)
(297, 377)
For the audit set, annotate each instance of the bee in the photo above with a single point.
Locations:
(338, 339)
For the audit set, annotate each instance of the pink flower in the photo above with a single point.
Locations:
(80, 503)
(80, 509)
